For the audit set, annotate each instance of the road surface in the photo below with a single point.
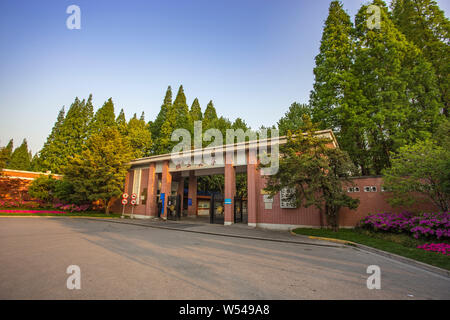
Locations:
(120, 261)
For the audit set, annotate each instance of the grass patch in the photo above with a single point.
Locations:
(400, 244)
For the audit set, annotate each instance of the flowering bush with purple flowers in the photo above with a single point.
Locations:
(425, 225)
(443, 248)
(35, 204)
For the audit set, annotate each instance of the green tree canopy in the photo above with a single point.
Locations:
(98, 173)
(20, 158)
(315, 172)
(103, 118)
(423, 168)
(425, 24)
(293, 118)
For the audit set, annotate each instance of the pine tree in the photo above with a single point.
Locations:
(196, 111)
(68, 136)
(336, 88)
(210, 116)
(20, 158)
(122, 122)
(397, 85)
(98, 173)
(333, 65)
(103, 118)
(5, 154)
(177, 117)
(424, 24)
(155, 127)
(139, 136)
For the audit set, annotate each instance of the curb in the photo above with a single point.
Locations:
(221, 234)
(386, 254)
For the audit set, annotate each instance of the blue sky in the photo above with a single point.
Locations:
(253, 58)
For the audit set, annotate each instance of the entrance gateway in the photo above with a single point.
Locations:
(168, 189)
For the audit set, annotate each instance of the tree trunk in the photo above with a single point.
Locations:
(106, 206)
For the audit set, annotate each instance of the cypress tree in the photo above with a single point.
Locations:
(210, 116)
(177, 117)
(399, 91)
(336, 88)
(20, 158)
(139, 136)
(5, 154)
(103, 118)
(122, 122)
(424, 24)
(155, 127)
(196, 111)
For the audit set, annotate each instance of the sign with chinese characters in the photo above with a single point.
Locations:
(288, 198)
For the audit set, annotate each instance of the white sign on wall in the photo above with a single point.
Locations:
(288, 199)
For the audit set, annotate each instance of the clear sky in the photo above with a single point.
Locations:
(253, 58)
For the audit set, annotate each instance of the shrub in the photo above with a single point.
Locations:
(425, 226)
(443, 248)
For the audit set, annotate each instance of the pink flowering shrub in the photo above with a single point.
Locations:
(36, 204)
(425, 225)
(443, 248)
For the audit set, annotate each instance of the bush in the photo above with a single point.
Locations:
(43, 188)
(424, 226)
(443, 248)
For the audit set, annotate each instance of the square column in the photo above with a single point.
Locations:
(230, 192)
(192, 194)
(166, 186)
(252, 194)
(180, 192)
(151, 206)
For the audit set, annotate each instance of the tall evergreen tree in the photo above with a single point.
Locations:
(177, 117)
(103, 118)
(424, 24)
(139, 136)
(210, 116)
(20, 158)
(98, 173)
(5, 154)
(336, 87)
(399, 91)
(68, 136)
(196, 111)
(122, 122)
(155, 127)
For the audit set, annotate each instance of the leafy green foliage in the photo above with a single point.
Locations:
(20, 158)
(43, 188)
(99, 172)
(315, 171)
(5, 154)
(423, 168)
(424, 24)
(293, 118)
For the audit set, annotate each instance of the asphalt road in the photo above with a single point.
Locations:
(119, 261)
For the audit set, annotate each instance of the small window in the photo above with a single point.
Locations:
(350, 190)
(356, 189)
(366, 189)
(373, 189)
(383, 189)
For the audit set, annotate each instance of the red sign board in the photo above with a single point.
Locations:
(133, 202)
(125, 195)
(124, 201)
(133, 196)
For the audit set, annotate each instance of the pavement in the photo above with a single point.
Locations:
(131, 260)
